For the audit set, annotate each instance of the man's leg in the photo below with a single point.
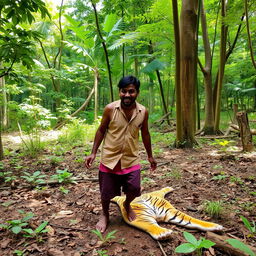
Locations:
(132, 190)
(109, 188)
(104, 217)
(131, 215)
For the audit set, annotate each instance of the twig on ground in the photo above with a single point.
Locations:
(161, 248)
(75, 229)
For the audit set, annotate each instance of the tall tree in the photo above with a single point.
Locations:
(177, 73)
(188, 64)
(223, 42)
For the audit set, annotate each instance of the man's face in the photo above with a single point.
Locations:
(128, 95)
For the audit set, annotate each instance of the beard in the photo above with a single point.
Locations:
(127, 102)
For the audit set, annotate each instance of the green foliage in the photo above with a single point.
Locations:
(21, 226)
(147, 180)
(64, 176)
(174, 174)
(17, 44)
(224, 144)
(7, 177)
(236, 180)
(77, 133)
(54, 160)
(35, 178)
(250, 226)
(241, 246)
(104, 239)
(219, 177)
(194, 244)
(36, 233)
(17, 226)
(63, 190)
(214, 208)
(20, 253)
(102, 252)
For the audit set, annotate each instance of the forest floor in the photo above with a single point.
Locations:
(211, 172)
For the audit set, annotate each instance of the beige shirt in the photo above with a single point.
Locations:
(121, 141)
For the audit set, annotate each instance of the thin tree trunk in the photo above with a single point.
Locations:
(96, 103)
(207, 72)
(249, 33)
(151, 82)
(177, 73)
(3, 101)
(188, 48)
(229, 52)
(83, 107)
(223, 41)
(162, 96)
(105, 51)
(1, 144)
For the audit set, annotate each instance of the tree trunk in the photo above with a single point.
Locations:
(177, 90)
(1, 143)
(188, 63)
(96, 103)
(223, 41)
(249, 33)
(207, 72)
(162, 96)
(245, 131)
(105, 51)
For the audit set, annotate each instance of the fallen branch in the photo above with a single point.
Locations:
(216, 137)
(71, 228)
(221, 243)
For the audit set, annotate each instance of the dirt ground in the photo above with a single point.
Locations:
(196, 175)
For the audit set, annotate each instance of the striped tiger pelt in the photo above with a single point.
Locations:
(151, 208)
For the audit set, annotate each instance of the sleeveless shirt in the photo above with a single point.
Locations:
(121, 140)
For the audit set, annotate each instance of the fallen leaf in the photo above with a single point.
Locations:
(51, 230)
(63, 214)
(212, 251)
(5, 243)
(55, 252)
(118, 250)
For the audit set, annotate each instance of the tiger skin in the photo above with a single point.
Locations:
(151, 208)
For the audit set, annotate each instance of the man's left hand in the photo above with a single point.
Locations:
(153, 163)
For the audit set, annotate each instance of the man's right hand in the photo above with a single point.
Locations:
(89, 160)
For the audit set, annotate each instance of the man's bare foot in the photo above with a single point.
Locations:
(102, 223)
(131, 215)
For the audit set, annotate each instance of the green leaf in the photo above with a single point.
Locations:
(241, 246)
(206, 244)
(16, 229)
(190, 238)
(109, 22)
(28, 230)
(41, 227)
(185, 248)
(153, 66)
(97, 233)
(246, 222)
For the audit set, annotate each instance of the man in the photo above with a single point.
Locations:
(119, 167)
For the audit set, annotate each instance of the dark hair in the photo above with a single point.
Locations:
(127, 80)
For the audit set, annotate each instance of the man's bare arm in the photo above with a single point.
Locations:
(147, 142)
(99, 136)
